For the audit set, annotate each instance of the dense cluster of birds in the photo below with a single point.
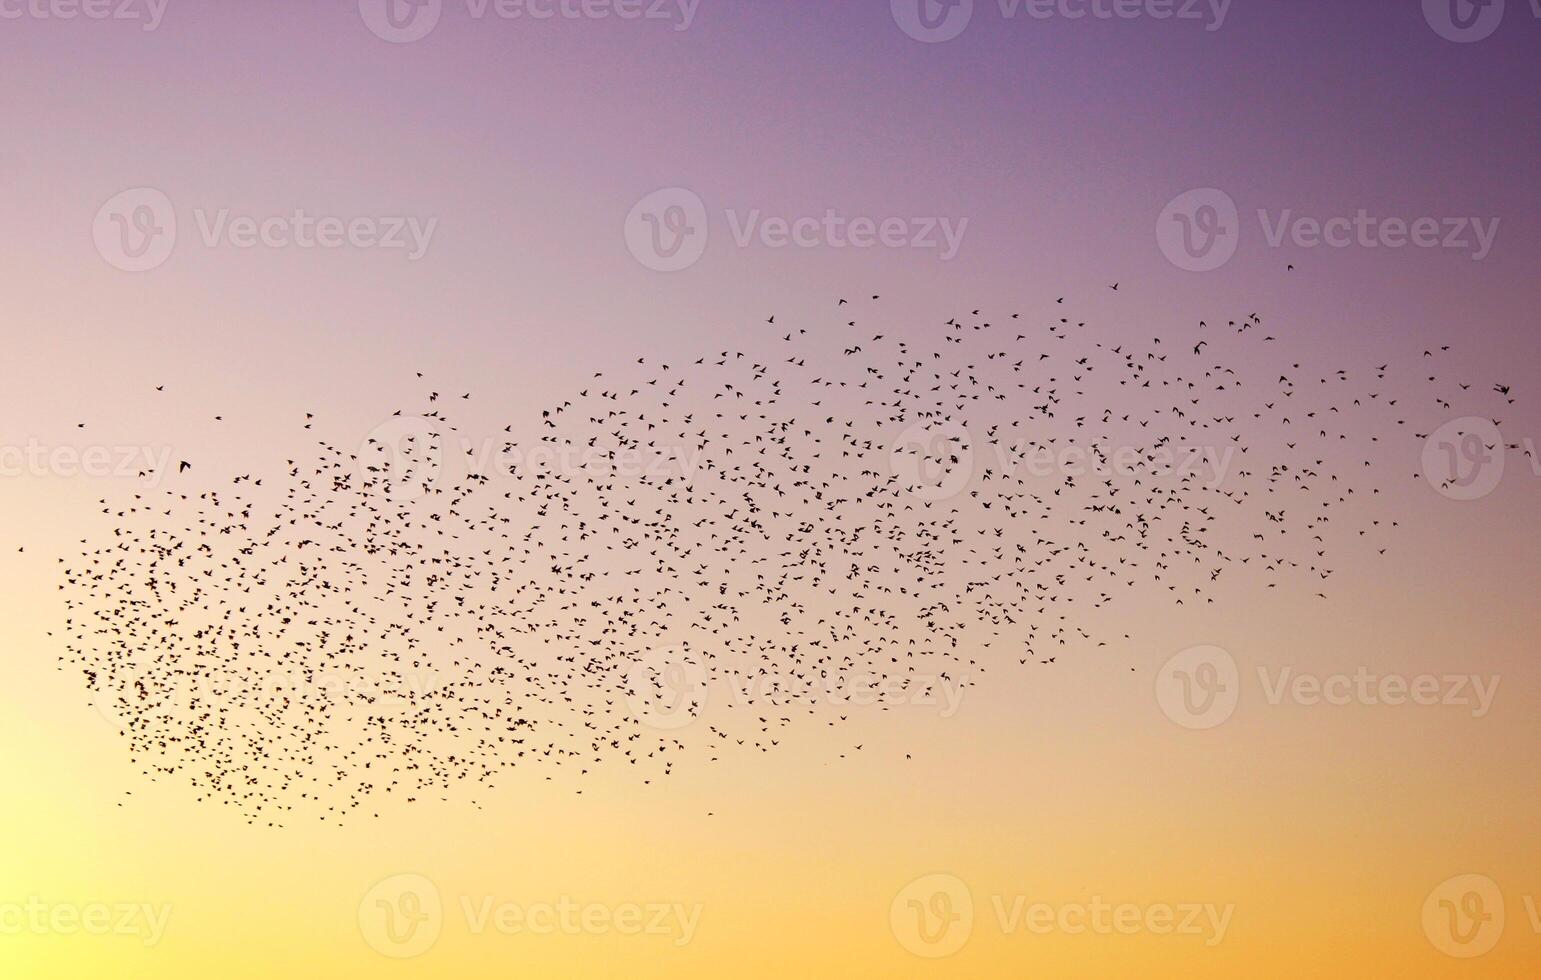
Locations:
(911, 507)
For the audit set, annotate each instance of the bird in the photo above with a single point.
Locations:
(676, 564)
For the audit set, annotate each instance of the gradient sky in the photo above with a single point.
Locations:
(528, 142)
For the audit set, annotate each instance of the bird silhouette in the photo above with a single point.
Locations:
(685, 560)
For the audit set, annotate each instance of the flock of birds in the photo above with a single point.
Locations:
(913, 507)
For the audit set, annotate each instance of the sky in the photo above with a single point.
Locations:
(282, 208)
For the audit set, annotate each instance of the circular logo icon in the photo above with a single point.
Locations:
(1464, 458)
(932, 21)
(666, 230)
(370, 694)
(400, 21)
(933, 460)
(1463, 21)
(1198, 688)
(1464, 916)
(117, 709)
(404, 456)
(932, 916)
(121, 702)
(402, 916)
(136, 230)
(1199, 230)
(666, 689)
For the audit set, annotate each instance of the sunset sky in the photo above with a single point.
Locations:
(291, 207)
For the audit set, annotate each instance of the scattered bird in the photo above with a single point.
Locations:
(407, 616)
